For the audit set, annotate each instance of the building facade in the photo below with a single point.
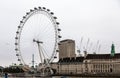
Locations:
(92, 64)
(89, 63)
(66, 48)
(102, 63)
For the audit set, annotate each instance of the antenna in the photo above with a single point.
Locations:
(33, 60)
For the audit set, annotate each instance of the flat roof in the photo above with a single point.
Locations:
(102, 56)
(67, 40)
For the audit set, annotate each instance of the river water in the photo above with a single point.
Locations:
(60, 77)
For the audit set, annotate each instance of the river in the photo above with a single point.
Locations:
(12, 76)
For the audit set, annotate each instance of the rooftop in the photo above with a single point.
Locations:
(103, 56)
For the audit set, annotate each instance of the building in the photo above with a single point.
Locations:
(67, 48)
(89, 63)
(102, 63)
(92, 64)
(72, 65)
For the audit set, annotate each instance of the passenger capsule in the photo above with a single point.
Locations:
(17, 32)
(59, 36)
(48, 9)
(21, 21)
(44, 8)
(59, 29)
(51, 13)
(17, 54)
(57, 23)
(24, 16)
(16, 37)
(16, 43)
(16, 49)
(39, 7)
(19, 60)
(35, 8)
(55, 17)
(27, 13)
(31, 10)
(19, 27)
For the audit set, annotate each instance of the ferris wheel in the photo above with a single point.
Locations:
(38, 33)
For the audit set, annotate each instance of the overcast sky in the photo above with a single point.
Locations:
(93, 19)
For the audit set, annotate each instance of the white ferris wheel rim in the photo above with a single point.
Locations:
(44, 11)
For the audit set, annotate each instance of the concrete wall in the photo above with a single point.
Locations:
(67, 48)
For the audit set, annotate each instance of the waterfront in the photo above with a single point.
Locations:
(60, 77)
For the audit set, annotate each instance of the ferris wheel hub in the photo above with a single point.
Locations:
(37, 41)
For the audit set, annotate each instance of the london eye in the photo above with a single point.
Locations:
(38, 33)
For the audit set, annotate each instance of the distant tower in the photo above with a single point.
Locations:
(67, 48)
(33, 61)
(112, 50)
(85, 53)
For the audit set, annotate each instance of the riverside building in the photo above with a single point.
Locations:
(89, 63)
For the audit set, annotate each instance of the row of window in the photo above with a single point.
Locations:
(102, 71)
(104, 66)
